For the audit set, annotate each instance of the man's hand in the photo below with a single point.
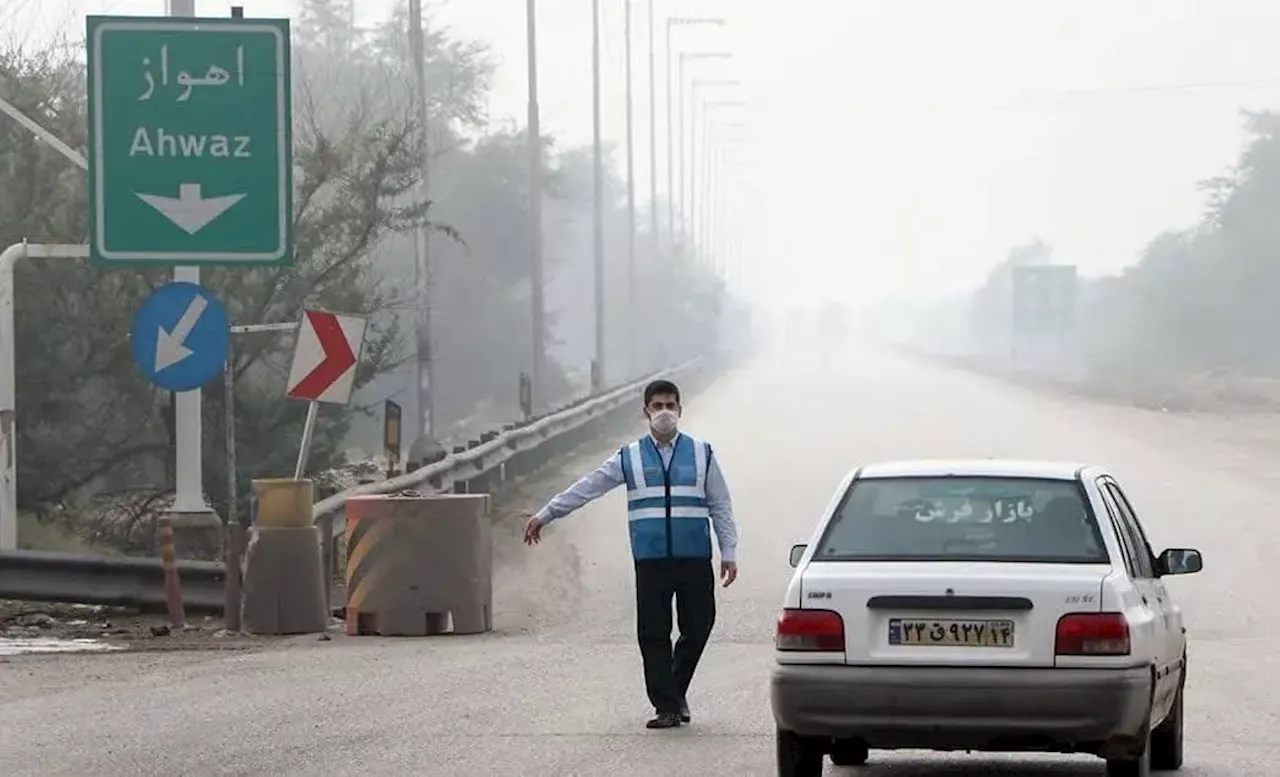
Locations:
(532, 530)
(728, 572)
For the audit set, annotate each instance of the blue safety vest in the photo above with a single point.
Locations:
(667, 506)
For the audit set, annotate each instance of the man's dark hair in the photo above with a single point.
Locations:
(660, 387)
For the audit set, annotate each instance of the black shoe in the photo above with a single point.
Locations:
(685, 716)
(664, 720)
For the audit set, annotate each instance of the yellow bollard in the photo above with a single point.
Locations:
(283, 503)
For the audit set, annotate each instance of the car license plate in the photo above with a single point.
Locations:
(953, 633)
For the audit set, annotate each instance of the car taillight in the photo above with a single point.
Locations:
(1092, 634)
(813, 630)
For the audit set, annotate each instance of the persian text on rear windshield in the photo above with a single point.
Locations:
(963, 519)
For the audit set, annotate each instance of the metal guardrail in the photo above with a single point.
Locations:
(123, 581)
(496, 457)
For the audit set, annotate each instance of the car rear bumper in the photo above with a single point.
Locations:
(964, 708)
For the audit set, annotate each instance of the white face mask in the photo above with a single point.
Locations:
(664, 422)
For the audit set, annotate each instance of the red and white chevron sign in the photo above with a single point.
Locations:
(325, 357)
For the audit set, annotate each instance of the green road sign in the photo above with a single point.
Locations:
(190, 141)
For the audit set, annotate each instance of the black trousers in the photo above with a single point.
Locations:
(692, 583)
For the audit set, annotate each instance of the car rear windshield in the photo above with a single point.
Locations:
(963, 519)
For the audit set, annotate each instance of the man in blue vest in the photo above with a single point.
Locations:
(676, 497)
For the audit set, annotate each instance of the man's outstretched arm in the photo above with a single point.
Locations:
(588, 489)
(720, 505)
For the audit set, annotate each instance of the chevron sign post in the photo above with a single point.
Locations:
(325, 358)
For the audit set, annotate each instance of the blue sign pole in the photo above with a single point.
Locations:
(181, 336)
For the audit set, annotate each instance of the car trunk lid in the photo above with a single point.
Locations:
(952, 613)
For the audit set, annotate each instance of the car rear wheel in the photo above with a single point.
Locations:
(849, 752)
(799, 756)
(1133, 765)
(1166, 740)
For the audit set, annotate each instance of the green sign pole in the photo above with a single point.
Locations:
(190, 141)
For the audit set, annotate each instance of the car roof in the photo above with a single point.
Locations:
(1007, 468)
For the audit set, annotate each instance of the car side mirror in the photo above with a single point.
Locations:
(797, 553)
(1179, 561)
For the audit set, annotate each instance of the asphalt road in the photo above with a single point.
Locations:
(557, 690)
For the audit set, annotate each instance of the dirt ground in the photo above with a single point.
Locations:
(35, 627)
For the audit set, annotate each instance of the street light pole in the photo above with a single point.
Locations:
(535, 210)
(728, 237)
(698, 154)
(597, 175)
(718, 208)
(686, 56)
(653, 144)
(671, 189)
(715, 204)
(706, 164)
(720, 190)
(714, 191)
(631, 208)
(678, 225)
(671, 148)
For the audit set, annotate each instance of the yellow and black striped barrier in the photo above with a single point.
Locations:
(365, 536)
(419, 565)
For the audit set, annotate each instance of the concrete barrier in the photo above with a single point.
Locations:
(419, 565)
(284, 584)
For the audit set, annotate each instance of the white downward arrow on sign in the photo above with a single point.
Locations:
(189, 210)
(170, 348)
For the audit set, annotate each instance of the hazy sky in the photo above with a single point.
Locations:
(902, 145)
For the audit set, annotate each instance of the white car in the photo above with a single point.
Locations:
(981, 606)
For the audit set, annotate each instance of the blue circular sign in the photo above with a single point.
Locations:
(181, 337)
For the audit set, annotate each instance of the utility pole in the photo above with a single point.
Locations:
(535, 208)
(421, 252)
(598, 199)
(653, 145)
(631, 211)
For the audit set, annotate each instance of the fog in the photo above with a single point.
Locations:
(905, 147)
(851, 170)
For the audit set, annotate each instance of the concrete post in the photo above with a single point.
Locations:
(284, 586)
